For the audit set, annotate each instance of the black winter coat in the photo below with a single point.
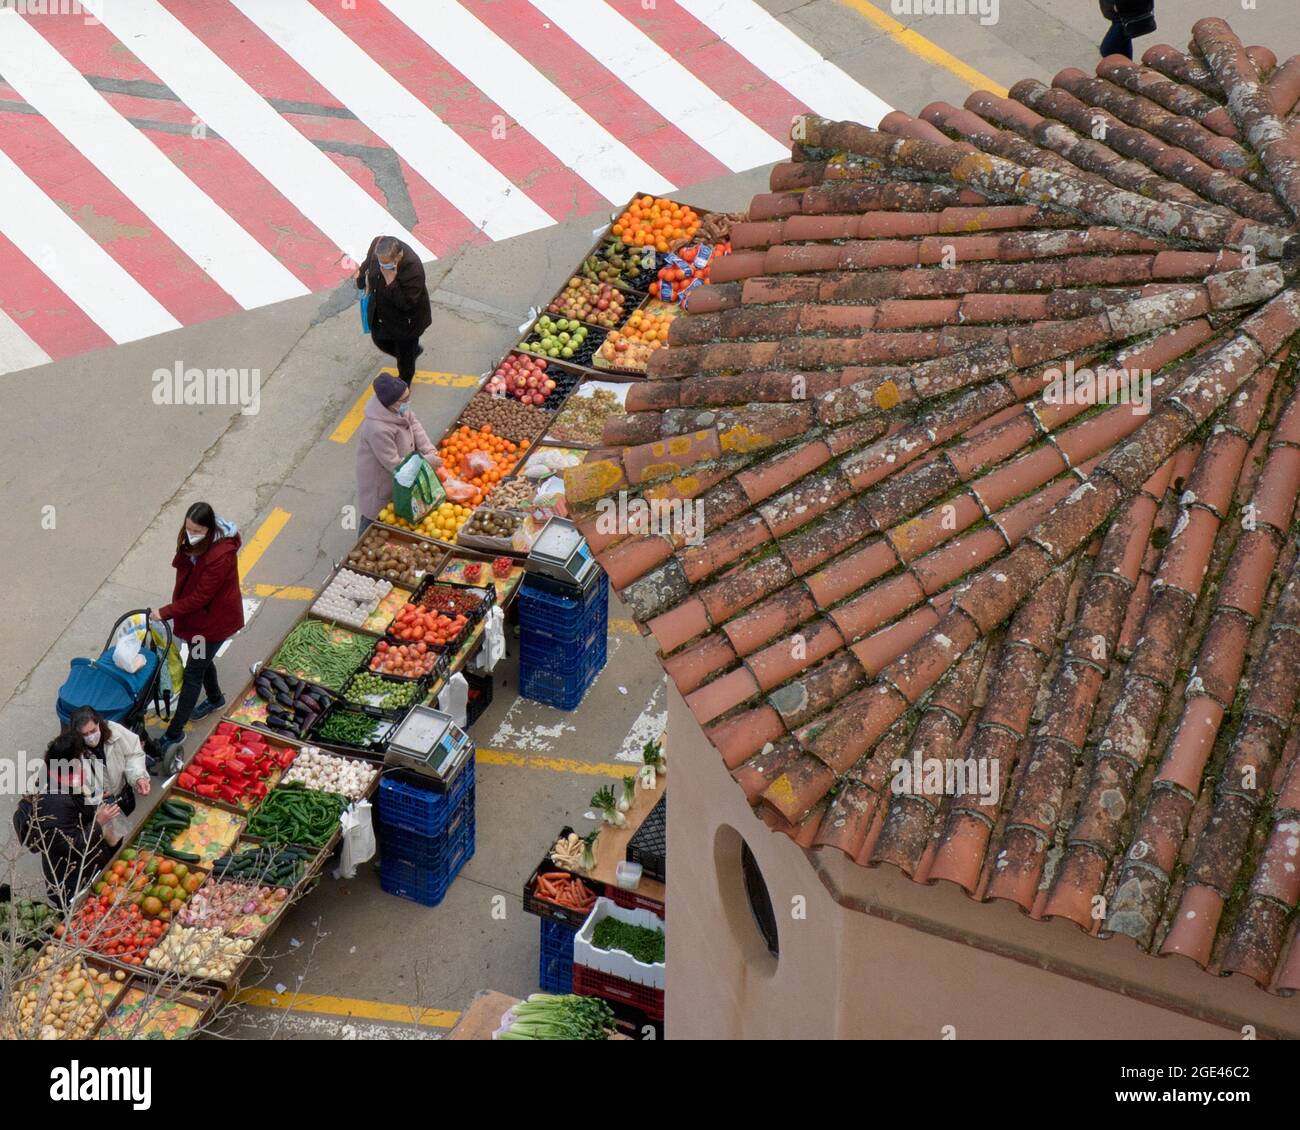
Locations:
(1130, 11)
(73, 849)
(401, 310)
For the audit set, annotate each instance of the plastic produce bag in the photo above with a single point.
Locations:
(358, 840)
(454, 699)
(476, 463)
(458, 491)
(494, 642)
(126, 653)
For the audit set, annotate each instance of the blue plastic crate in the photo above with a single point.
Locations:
(419, 810)
(555, 964)
(422, 884)
(426, 851)
(548, 616)
(559, 687)
(568, 657)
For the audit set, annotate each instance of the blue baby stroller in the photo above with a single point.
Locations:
(124, 697)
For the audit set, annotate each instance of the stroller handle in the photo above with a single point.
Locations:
(148, 637)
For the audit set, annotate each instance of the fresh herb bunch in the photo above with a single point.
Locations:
(641, 942)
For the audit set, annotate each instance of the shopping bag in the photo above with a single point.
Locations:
(494, 643)
(454, 699)
(365, 312)
(358, 840)
(126, 653)
(415, 488)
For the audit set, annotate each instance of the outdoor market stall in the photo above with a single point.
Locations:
(245, 830)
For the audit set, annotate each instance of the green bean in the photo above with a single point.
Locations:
(321, 654)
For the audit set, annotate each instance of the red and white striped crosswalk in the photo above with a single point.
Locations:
(165, 162)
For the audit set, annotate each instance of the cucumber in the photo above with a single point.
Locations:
(183, 856)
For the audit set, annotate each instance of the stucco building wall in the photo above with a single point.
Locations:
(907, 961)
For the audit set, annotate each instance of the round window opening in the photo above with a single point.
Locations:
(760, 902)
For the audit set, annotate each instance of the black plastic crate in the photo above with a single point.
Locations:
(581, 356)
(546, 909)
(649, 844)
(646, 278)
(384, 724)
(480, 696)
(440, 666)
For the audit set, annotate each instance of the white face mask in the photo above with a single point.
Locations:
(91, 739)
(194, 539)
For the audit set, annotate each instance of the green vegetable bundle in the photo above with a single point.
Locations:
(171, 818)
(320, 654)
(641, 942)
(276, 865)
(546, 1017)
(347, 727)
(292, 814)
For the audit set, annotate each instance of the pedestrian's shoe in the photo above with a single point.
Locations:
(206, 707)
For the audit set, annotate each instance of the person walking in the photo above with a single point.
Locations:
(120, 753)
(207, 608)
(393, 276)
(1128, 20)
(389, 432)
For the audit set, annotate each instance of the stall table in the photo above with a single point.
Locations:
(612, 847)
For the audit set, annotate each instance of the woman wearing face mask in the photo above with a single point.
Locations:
(206, 610)
(393, 276)
(119, 750)
(74, 831)
(389, 432)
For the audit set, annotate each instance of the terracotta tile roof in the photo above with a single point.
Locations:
(914, 549)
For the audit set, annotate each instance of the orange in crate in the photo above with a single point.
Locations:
(656, 222)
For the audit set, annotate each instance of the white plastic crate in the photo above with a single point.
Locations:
(615, 962)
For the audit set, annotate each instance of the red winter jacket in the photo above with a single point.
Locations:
(206, 600)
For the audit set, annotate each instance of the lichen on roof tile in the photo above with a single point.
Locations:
(870, 407)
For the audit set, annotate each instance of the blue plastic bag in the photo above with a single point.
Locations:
(365, 312)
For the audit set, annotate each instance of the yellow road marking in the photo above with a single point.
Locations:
(624, 626)
(352, 421)
(555, 764)
(918, 45)
(348, 1006)
(281, 592)
(257, 544)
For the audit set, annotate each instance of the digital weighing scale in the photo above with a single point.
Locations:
(429, 742)
(561, 556)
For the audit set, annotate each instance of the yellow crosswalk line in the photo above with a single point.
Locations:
(555, 764)
(923, 48)
(267, 532)
(348, 1006)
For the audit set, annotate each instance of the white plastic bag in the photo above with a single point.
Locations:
(126, 653)
(358, 838)
(454, 698)
(494, 642)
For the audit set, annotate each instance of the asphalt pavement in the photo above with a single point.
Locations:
(97, 476)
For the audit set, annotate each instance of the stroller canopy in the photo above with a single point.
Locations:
(99, 683)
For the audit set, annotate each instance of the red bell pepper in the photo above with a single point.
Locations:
(187, 781)
(206, 790)
(229, 793)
